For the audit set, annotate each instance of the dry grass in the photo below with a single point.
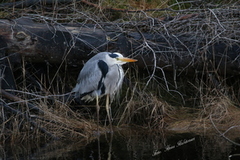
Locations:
(135, 5)
(58, 120)
(216, 113)
(143, 104)
(143, 108)
(138, 105)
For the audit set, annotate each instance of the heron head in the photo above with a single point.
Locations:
(117, 58)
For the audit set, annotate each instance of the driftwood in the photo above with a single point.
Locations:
(54, 43)
(183, 44)
(46, 42)
(204, 41)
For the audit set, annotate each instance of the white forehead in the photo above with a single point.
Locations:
(119, 54)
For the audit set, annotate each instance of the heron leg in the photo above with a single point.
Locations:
(98, 109)
(108, 111)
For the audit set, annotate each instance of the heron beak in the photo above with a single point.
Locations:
(124, 59)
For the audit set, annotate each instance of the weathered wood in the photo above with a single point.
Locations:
(51, 43)
(75, 43)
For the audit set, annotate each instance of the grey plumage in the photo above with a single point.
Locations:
(101, 75)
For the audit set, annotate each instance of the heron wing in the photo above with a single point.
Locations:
(88, 79)
(91, 79)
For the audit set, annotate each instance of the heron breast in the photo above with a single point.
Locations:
(113, 80)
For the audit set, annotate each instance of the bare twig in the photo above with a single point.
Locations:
(222, 134)
(19, 100)
(25, 116)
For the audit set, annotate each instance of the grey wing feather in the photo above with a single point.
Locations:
(89, 76)
(88, 79)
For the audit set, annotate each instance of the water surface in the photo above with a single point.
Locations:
(130, 145)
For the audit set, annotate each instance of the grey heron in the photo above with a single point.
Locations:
(101, 75)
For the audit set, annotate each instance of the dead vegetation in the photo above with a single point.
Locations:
(186, 99)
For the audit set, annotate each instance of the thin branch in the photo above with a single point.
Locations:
(25, 116)
(222, 134)
(19, 100)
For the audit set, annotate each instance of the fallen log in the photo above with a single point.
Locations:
(50, 43)
(73, 44)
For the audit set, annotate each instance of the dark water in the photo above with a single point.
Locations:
(130, 145)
